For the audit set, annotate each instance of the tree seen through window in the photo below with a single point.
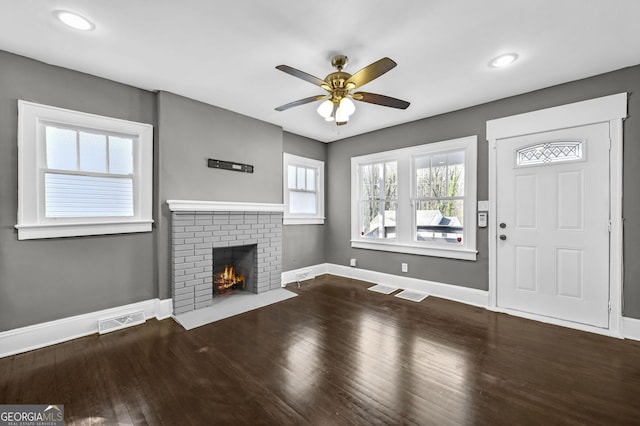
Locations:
(439, 197)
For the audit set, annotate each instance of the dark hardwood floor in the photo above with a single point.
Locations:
(337, 355)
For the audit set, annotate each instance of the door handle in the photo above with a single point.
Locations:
(503, 237)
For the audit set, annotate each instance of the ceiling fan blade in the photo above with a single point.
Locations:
(370, 72)
(304, 76)
(374, 98)
(301, 102)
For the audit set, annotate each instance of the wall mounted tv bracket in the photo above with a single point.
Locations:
(229, 165)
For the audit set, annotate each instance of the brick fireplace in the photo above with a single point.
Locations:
(198, 228)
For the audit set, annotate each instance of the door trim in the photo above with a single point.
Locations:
(611, 109)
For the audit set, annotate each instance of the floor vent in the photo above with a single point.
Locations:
(414, 296)
(112, 324)
(384, 289)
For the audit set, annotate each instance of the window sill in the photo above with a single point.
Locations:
(39, 231)
(303, 221)
(451, 253)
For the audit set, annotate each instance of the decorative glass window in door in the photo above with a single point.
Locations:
(550, 152)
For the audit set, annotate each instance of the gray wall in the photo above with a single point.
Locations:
(190, 132)
(44, 280)
(303, 245)
(472, 121)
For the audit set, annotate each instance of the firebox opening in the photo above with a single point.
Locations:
(233, 270)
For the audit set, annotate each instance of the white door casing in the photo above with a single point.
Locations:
(553, 214)
(610, 110)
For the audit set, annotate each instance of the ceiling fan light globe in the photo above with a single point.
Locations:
(341, 115)
(347, 107)
(325, 109)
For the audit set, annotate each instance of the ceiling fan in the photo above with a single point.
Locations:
(337, 105)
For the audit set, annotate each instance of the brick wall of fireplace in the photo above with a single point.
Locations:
(194, 236)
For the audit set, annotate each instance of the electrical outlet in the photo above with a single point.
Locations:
(352, 262)
(405, 267)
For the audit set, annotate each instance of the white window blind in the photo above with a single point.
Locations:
(68, 195)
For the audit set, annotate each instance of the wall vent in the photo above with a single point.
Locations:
(307, 274)
(112, 324)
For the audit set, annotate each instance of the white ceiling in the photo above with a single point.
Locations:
(224, 53)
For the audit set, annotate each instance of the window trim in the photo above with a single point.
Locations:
(303, 219)
(31, 222)
(404, 241)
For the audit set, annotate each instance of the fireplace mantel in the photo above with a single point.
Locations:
(222, 206)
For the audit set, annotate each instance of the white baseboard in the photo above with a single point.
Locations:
(164, 308)
(290, 276)
(470, 296)
(631, 328)
(49, 333)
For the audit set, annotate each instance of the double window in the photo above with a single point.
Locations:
(419, 200)
(303, 190)
(82, 174)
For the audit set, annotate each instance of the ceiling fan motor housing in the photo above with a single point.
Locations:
(336, 82)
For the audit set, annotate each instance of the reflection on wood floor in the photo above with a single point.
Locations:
(338, 354)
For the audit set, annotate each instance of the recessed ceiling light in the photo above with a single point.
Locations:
(503, 60)
(74, 20)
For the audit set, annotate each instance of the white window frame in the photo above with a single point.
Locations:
(309, 163)
(405, 219)
(31, 222)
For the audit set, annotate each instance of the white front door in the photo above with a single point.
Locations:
(553, 224)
